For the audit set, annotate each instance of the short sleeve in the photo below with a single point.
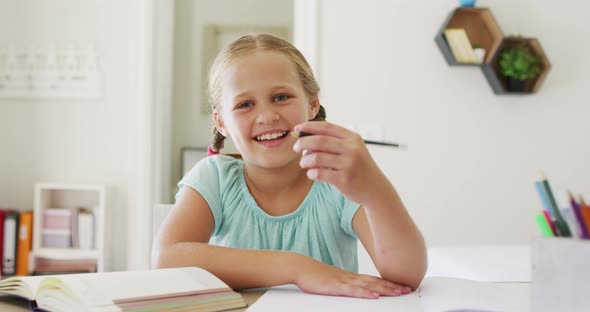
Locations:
(349, 209)
(206, 177)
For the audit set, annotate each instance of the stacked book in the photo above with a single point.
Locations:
(65, 228)
(460, 46)
(50, 266)
(172, 289)
(57, 228)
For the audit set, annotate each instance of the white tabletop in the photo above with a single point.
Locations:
(459, 278)
(493, 263)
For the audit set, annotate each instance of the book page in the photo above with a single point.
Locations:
(102, 288)
(25, 286)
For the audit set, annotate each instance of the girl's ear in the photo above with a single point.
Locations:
(219, 124)
(314, 107)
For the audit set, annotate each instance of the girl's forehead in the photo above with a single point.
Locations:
(264, 62)
(257, 69)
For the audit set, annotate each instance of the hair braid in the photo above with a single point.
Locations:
(321, 115)
(217, 141)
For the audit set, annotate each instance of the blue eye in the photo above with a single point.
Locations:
(245, 105)
(281, 98)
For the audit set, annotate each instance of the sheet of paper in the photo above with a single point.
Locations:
(452, 294)
(291, 299)
(435, 295)
(509, 263)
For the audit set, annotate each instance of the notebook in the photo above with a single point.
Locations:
(173, 289)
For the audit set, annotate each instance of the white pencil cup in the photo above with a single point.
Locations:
(561, 275)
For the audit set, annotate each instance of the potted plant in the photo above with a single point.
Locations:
(519, 65)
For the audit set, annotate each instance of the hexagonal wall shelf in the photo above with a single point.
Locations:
(498, 83)
(481, 29)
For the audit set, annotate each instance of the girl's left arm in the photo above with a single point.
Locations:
(393, 241)
(338, 156)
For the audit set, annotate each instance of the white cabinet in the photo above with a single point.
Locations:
(68, 224)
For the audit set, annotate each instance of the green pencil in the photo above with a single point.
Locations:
(543, 225)
(565, 230)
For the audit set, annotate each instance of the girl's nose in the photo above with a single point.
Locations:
(267, 115)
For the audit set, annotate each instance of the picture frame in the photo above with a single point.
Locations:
(189, 157)
(215, 37)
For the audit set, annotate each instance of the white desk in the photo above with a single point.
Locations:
(482, 263)
(462, 278)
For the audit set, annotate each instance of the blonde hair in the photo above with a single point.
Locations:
(249, 44)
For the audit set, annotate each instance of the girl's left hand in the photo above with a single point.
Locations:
(338, 156)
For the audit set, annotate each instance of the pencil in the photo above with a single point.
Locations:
(560, 222)
(299, 134)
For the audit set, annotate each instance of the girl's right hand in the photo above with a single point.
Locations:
(315, 277)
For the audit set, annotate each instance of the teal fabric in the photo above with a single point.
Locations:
(320, 228)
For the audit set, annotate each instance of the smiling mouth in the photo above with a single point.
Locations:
(271, 136)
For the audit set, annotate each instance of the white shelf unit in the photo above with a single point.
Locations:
(63, 196)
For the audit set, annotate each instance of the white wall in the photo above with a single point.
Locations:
(468, 174)
(191, 127)
(86, 142)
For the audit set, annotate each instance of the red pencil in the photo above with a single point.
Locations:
(550, 222)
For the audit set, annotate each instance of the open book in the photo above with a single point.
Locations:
(174, 289)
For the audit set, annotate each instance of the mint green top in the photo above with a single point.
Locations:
(321, 227)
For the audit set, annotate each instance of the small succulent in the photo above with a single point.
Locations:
(519, 63)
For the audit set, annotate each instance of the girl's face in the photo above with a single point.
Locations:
(262, 99)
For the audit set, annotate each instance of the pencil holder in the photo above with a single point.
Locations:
(561, 275)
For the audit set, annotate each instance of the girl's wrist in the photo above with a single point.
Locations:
(382, 191)
(300, 265)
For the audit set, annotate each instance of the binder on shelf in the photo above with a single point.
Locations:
(85, 229)
(2, 213)
(10, 239)
(75, 242)
(25, 243)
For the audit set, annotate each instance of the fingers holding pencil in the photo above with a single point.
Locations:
(299, 133)
(322, 128)
(339, 157)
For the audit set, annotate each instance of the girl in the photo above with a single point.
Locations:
(290, 212)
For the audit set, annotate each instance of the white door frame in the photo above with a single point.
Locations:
(139, 139)
(306, 32)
